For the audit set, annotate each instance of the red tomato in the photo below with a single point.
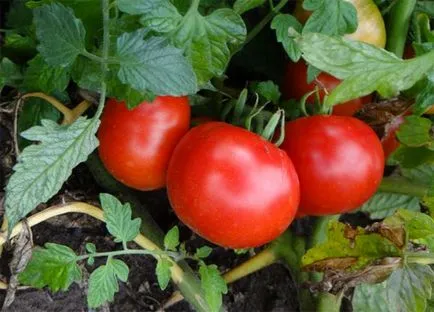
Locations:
(295, 86)
(231, 186)
(136, 145)
(389, 141)
(339, 161)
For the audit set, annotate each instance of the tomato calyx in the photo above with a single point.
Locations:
(255, 118)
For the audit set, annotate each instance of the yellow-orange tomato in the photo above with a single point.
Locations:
(371, 28)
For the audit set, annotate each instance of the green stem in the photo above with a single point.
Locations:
(194, 5)
(257, 29)
(324, 301)
(397, 27)
(419, 257)
(402, 185)
(121, 253)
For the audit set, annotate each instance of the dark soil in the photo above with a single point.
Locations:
(268, 290)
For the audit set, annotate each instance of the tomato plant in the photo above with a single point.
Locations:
(96, 98)
(136, 145)
(221, 182)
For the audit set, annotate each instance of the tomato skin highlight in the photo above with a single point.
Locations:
(136, 145)
(295, 86)
(339, 161)
(231, 186)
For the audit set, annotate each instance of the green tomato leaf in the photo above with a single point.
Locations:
(363, 67)
(383, 204)
(268, 90)
(411, 157)
(10, 74)
(417, 225)
(87, 75)
(207, 41)
(60, 33)
(118, 219)
(40, 76)
(423, 174)
(426, 7)
(331, 17)
(164, 16)
(203, 252)
(281, 23)
(90, 247)
(407, 289)
(42, 168)
(171, 240)
(154, 65)
(34, 110)
(19, 46)
(242, 6)
(415, 132)
(424, 99)
(103, 282)
(363, 246)
(54, 266)
(162, 271)
(213, 285)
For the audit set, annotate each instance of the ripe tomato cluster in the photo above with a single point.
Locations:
(230, 185)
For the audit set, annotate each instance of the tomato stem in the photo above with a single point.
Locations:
(402, 185)
(397, 26)
(177, 272)
(258, 28)
(419, 257)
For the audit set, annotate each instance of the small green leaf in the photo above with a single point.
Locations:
(163, 272)
(383, 204)
(90, 261)
(103, 282)
(171, 240)
(60, 33)
(363, 67)
(281, 23)
(412, 157)
(407, 289)
(268, 90)
(164, 17)
(42, 77)
(423, 174)
(364, 246)
(53, 266)
(424, 99)
(43, 168)
(213, 285)
(154, 65)
(33, 111)
(415, 132)
(203, 252)
(10, 74)
(118, 219)
(418, 225)
(242, 6)
(90, 247)
(331, 17)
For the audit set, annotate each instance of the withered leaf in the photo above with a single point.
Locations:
(21, 256)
